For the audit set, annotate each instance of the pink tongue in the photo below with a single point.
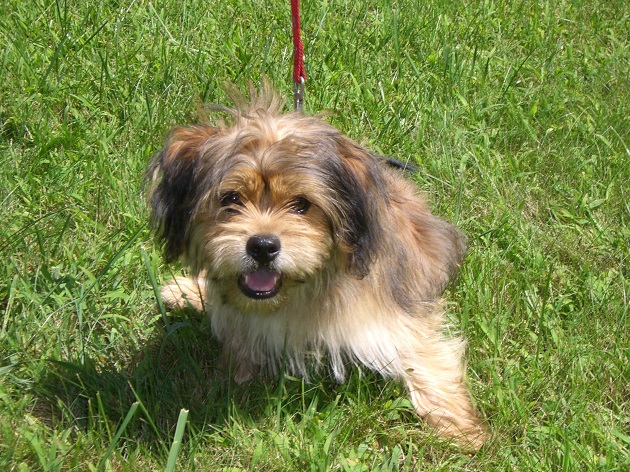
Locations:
(261, 280)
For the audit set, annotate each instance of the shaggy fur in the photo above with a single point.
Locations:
(306, 249)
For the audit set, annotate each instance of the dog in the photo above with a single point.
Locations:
(305, 249)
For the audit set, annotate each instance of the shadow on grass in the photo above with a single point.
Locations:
(173, 371)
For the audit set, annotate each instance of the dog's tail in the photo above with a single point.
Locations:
(404, 166)
(185, 292)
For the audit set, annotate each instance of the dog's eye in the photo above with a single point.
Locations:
(299, 205)
(231, 198)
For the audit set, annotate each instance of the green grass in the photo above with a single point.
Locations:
(518, 116)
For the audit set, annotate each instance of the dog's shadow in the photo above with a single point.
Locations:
(179, 368)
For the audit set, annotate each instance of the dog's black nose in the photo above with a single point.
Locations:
(263, 248)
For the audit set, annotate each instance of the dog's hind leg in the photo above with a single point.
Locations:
(434, 375)
(185, 292)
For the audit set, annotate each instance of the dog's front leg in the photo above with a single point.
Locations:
(185, 292)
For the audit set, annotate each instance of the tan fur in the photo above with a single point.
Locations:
(361, 270)
(184, 292)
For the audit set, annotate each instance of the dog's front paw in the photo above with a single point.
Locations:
(184, 292)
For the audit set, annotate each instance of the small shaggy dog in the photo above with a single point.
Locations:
(306, 248)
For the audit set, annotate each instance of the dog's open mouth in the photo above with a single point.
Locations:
(260, 284)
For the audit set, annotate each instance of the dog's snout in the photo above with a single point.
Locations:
(263, 248)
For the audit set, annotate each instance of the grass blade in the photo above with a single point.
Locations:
(177, 440)
(121, 430)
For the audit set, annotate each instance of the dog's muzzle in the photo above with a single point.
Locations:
(263, 282)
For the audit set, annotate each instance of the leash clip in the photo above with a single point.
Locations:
(298, 95)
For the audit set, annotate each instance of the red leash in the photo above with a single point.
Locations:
(299, 74)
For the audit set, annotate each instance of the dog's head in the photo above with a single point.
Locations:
(266, 203)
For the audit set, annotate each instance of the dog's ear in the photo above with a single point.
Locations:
(361, 192)
(175, 187)
(431, 246)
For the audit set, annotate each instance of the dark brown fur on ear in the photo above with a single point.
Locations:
(173, 172)
(361, 184)
(384, 215)
(364, 183)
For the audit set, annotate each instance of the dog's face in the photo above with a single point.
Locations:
(266, 205)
